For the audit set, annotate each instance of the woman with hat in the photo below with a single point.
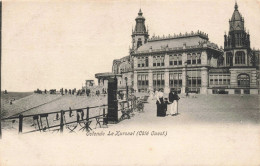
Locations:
(160, 103)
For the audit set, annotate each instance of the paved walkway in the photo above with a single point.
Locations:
(210, 130)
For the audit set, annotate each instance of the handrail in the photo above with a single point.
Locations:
(131, 105)
(55, 112)
(63, 124)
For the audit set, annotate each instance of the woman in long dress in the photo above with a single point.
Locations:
(160, 104)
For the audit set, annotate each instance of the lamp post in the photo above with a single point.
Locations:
(126, 88)
(126, 92)
(186, 79)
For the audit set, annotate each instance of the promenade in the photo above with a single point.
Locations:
(208, 131)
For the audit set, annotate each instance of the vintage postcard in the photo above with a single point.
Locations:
(130, 82)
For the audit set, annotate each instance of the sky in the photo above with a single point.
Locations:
(54, 44)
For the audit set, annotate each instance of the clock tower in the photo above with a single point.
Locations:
(237, 42)
(139, 34)
(237, 37)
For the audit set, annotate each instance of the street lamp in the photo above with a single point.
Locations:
(126, 92)
(126, 88)
(186, 79)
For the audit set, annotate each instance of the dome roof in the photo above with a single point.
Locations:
(140, 15)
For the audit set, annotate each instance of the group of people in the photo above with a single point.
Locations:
(163, 103)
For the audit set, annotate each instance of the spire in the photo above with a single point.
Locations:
(140, 23)
(236, 6)
(140, 12)
(140, 34)
(236, 22)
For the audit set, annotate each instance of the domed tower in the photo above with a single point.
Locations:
(139, 34)
(237, 41)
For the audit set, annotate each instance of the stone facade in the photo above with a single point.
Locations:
(190, 62)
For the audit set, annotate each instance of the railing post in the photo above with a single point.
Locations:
(104, 116)
(87, 118)
(20, 123)
(61, 121)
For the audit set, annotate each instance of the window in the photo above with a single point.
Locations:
(142, 62)
(216, 81)
(175, 59)
(139, 42)
(146, 62)
(158, 80)
(224, 81)
(194, 80)
(138, 61)
(198, 58)
(199, 81)
(170, 60)
(237, 91)
(229, 59)
(142, 82)
(240, 57)
(243, 80)
(158, 60)
(211, 82)
(180, 59)
(193, 58)
(162, 60)
(219, 79)
(154, 79)
(189, 59)
(154, 60)
(246, 91)
(175, 80)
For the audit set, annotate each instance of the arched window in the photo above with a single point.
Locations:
(175, 58)
(180, 59)
(146, 62)
(243, 80)
(171, 60)
(229, 59)
(193, 58)
(189, 59)
(240, 57)
(154, 60)
(198, 58)
(139, 42)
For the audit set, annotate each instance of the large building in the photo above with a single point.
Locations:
(189, 62)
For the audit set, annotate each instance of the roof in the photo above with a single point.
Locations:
(123, 59)
(236, 15)
(172, 43)
(106, 74)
